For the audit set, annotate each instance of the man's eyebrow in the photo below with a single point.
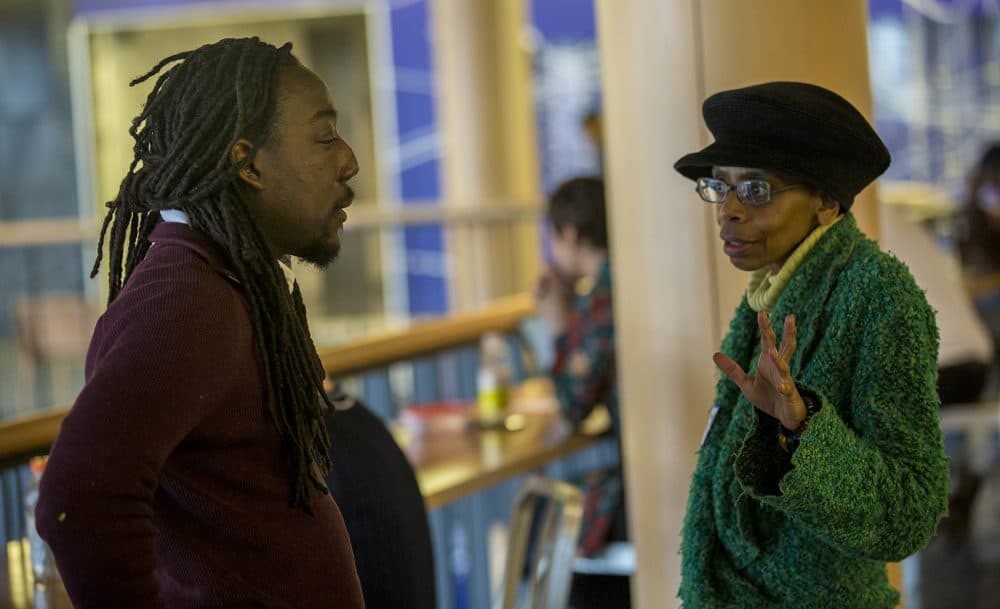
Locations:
(324, 114)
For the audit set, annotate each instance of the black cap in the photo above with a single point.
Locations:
(795, 128)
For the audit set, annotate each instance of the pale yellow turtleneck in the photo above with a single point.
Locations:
(766, 286)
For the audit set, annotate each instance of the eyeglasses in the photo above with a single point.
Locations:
(756, 193)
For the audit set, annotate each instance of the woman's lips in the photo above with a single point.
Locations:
(736, 247)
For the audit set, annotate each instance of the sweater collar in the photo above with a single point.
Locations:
(179, 218)
(177, 233)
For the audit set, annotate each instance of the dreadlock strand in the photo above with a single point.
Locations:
(159, 66)
(241, 67)
(132, 239)
(100, 243)
(197, 189)
(308, 360)
(158, 96)
(116, 250)
(141, 244)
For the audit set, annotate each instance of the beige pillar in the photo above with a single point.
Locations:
(661, 239)
(488, 140)
(674, 290)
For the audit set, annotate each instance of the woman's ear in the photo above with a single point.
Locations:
(828, 210)
(243, 155)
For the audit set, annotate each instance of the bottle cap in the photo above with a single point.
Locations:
(486, 379)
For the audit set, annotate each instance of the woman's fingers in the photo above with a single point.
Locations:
(776, 372)
(781, 363)
(766, 332)
(733, 370)
(773, 375)
(788, 338)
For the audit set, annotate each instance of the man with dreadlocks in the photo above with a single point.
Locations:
(189, 472)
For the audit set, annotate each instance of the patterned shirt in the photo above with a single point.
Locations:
(584, 376)
(584, 368)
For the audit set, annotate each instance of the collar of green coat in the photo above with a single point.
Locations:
(804, 296)
(766, 286)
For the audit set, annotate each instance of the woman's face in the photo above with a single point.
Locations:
(755, 237)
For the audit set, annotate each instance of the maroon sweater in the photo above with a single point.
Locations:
(167, 486)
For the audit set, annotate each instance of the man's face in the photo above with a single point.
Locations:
(303, 171)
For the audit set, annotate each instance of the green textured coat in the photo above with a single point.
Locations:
(869, 481)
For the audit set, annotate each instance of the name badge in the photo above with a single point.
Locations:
(708, 427)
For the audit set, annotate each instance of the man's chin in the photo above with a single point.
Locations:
(320, 254)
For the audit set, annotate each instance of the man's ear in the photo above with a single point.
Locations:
(243, 153)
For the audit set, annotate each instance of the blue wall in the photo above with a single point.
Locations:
(419, 178)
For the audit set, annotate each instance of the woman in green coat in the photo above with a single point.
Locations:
(823, 457)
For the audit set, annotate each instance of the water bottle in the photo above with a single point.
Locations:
(43, 565)
(494, 379)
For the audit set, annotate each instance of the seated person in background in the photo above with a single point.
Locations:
(979, 240)
(582, 327)
(376, 489)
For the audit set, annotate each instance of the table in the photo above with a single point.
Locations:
(452, 465)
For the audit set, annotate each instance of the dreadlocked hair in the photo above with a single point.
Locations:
(193, 116)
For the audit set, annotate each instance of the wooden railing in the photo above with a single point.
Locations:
(426, 337)
(31, 434)
(363, 216)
